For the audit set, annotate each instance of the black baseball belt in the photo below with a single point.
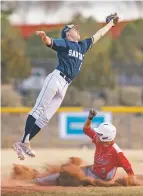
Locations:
(65, 77)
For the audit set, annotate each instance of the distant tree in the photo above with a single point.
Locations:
(15, 64)
(127, 50)
(36, 48)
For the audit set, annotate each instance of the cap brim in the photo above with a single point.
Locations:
(75, 27)
(72, 26)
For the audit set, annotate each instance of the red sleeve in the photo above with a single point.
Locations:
(90, 133)
(125, 164)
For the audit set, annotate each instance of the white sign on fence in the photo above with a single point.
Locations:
(71, 124)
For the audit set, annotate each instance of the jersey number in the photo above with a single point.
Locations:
(80, 66)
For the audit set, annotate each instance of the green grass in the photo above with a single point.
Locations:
(112, 191)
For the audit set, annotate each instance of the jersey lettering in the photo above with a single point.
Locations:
(100, 160)
(70, 53)
(75, 54)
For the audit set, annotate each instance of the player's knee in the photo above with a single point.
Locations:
(42, 122)
(51, 91)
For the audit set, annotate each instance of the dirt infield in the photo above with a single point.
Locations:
(70, 191)
(19, 188)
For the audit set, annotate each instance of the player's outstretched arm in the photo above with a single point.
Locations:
(46, 40)
(126, 165)
(91, 115)
(111, 21)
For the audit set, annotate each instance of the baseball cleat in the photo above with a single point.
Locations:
(18, 150)
(27, 149)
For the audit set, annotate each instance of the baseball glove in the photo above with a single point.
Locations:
(92, 114)
(113, 17)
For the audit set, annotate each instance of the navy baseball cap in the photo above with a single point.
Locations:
(66, 29)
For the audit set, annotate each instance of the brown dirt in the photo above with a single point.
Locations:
(9, 189)
(11, 186)
(17, 184)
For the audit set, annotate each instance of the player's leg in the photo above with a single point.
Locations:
(18, 146)
(88, 172)
(62, 86)
(111, 174)
(47, 180)
(38, 110)
(46, 95)
(34, 131)
(46, 116)
(42, 121)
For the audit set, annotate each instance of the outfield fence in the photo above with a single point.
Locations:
(118, 109)
(128, 120)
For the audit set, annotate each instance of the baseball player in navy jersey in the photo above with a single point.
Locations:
(70, 53)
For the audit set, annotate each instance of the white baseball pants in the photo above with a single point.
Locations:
(110, 175)
(51, 179)
(50, 98)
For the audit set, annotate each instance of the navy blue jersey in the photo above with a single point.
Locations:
(70, 55)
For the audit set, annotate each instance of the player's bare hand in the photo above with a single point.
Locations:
(132, 180)
(40, 33)
(92, 114)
